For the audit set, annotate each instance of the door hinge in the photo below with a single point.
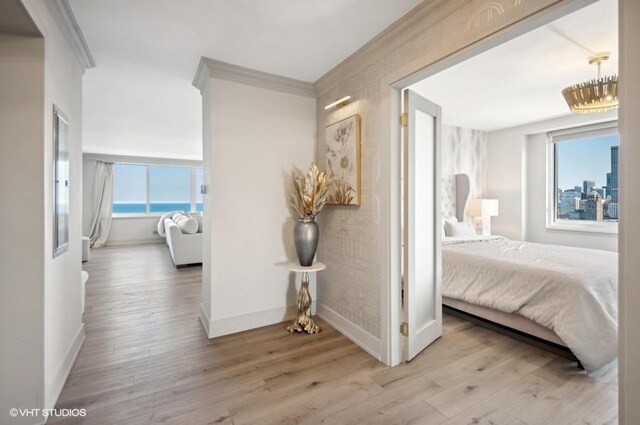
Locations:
(404, 119)
(404, 329)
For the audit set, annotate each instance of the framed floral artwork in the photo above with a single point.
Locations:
(342, 141)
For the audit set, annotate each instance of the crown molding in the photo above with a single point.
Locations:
(202, 75)
(210, 68)
(64, 17)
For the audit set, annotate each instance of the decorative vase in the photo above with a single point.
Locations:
(306, 234)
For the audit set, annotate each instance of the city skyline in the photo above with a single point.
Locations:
(579, 164)
(584, 160)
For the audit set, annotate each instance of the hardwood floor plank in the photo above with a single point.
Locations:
(504, 406)
(401, 401)
(147, 360)
(582, 399)
(485, 384)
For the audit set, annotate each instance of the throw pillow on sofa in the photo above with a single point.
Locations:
(161, 231)
(197, 217)
(187, 225)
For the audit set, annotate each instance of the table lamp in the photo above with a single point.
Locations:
(481, 211)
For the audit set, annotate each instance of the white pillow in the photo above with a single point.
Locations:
(455, 228)
(188, 225)
(161, 223)
(444, 224)
(197, 217)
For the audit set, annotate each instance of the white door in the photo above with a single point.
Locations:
(422, 303)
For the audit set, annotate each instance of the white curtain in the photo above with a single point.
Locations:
(102, 204)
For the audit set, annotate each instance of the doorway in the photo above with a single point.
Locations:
(410, 305)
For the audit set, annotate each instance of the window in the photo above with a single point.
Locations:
(584, 186)
(130, 189)
(169, 189)
(144, 189)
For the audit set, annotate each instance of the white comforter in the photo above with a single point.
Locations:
(573, 291)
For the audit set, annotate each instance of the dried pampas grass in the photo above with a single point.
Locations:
(309, 194)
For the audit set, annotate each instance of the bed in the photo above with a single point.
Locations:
(562, 295)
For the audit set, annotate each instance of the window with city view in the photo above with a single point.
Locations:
(586, 176)
(144, 189)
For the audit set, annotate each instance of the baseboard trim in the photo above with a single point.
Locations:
(55, 385)
(136, 242)
(245, 322)
(355, 333)
(205, 320)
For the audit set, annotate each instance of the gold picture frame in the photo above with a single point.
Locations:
(343, 161)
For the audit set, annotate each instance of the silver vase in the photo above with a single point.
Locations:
(306, 234)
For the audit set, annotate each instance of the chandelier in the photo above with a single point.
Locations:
(596, 95)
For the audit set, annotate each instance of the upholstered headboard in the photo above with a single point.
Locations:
(463, 190)
(448, 203)
(456, 191)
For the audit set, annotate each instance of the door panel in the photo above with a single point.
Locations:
(422, 229)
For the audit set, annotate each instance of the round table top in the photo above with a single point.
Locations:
(315, 267)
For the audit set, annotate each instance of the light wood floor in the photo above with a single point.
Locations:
(146, 359)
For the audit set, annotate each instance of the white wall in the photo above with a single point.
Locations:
(22, 249)
(506, 179)
(44, 312)
(62, 280)
(252, 138)
(517, 176)
(134, 230)
(206, 305)
(124, 230)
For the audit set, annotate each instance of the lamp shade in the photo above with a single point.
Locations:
(483, 208)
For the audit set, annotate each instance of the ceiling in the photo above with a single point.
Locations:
(139, 99)
(520, 82)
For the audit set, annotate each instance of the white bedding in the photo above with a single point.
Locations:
(573, 291)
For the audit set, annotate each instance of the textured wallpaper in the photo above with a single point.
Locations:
(354, 241)
(464, 151)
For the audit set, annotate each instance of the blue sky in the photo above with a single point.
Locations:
(581, 160)
(167, 184)
(130, 184)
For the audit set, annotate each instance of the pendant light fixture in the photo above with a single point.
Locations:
(598, 95)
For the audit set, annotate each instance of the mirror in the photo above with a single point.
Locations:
(60, 182)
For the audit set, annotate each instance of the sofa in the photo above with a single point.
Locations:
(184, 244)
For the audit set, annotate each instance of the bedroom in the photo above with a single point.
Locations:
(528, 195)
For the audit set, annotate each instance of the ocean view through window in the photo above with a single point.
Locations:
(144, 189)
(585, 164)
